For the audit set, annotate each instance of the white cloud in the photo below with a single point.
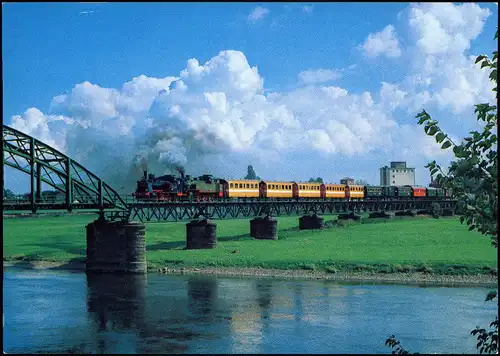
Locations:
(211, 116)
(442, 28)
(35, 123)
(307, 9)
(258, 14)
(442, 73)
(312, 76)
(211, 110)
(382, 43)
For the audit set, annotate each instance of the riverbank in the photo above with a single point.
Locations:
(403, 249)
(479, 280)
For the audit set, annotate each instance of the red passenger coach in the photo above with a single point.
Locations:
(418, 192)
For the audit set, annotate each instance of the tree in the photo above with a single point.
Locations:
(316, 180)
(361, 182)
(472, 179)
(251, 173)
(8, 194)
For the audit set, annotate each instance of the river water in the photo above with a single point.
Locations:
(69, 312)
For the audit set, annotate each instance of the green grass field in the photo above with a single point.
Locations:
(408, 244)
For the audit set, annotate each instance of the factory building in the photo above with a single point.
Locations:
(347, 181)
(397, 174)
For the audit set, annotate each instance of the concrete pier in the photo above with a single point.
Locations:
(308, 222)
(116, 247)
(264, 228)
(201, 234)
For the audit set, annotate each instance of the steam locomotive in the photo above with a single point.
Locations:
(179, 188)
(206, 187)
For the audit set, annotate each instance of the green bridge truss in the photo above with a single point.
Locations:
(77, 187)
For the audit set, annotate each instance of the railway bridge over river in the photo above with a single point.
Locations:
(115, 242)
(82, 190)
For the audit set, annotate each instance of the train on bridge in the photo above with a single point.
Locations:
(207, 188)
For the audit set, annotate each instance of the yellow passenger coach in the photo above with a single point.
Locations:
(243, 188)
(355, 191)
(337, 191)
(308, 190)
(276, 189)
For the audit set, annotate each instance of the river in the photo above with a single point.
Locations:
(70, 312)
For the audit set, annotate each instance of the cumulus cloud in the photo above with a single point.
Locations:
(35, 123)
(214, 116)
(312, 76)
(208, 112)
(258, 14)
(442, 72)
(445, 28)
(382, 43)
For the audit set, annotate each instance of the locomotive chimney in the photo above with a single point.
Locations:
(181, 172)
(145, 175)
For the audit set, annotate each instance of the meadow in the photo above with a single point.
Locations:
(421, 244)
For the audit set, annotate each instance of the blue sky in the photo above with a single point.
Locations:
(50, 48)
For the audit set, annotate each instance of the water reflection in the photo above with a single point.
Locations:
(116, 308)
(247, 319)
(116, 301)
(202, 297)
(193, 314)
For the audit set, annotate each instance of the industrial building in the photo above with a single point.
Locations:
(347, 181)
(397, 174)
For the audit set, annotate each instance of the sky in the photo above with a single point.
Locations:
(297, 90)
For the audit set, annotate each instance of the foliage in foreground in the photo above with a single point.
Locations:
(474, 182)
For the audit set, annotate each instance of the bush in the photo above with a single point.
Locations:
(436, 210)
(309, 266)
(331, 269)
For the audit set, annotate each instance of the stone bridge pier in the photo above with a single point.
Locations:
(118, 247)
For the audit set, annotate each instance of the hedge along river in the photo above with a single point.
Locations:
(70, 312)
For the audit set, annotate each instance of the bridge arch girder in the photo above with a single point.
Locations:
(79, 187)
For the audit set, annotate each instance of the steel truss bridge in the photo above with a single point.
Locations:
(81, 190)
(245, 209)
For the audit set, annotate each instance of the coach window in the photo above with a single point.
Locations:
(248, 185)
(231, 185)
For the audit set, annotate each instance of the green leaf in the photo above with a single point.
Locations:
(493, 74)
(491, 295)
(446, 145)
(480, 58)
(432, 130)
(440, 137)
(486, 63)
